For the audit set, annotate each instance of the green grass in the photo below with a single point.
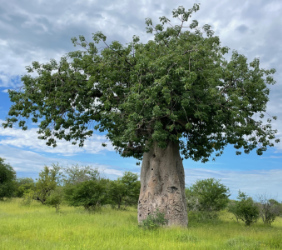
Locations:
(40, 227)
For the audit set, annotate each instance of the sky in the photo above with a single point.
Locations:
(37, 30)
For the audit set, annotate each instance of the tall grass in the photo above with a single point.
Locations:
(40, 227)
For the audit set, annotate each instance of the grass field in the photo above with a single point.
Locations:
(40, 227)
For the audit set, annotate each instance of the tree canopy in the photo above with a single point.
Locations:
(177, 87)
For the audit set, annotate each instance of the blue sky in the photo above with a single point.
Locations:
(40, 30)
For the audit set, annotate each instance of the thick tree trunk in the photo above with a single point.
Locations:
(163, 185)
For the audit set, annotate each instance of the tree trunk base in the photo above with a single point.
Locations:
(163, 185)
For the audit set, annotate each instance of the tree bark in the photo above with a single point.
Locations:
(163, 185)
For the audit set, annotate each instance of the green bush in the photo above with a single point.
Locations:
(245, 209)
(89, 194)
(154, 221)
(7, 180)
(207, 195)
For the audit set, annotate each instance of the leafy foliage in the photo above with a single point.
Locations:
(207, 195)
(49, 179)
(55, 198)
(7, 180)
(154, 220)
(124, 190)
(176, 87)
(22, 185)
(117, 192)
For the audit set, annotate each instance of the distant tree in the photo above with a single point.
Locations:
(207, 195)
(49, 179)
(89, 194)
(125, 190)
(176, 93)
(245, 209)
(7, 180)
(269, 209)
(23, 185)
(76, 174)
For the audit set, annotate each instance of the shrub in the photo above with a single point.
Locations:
(207, 195)
(55, 198)
(89, 194)
(245, 209)
(28, 197)
(154, 220)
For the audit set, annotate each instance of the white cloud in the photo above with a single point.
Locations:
(28, 139)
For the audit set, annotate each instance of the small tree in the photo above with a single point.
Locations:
(49, 179)
(246, 209)
(117, 192)
(125, 190)
(269, 209)
(132, 186)
(89, 194)
(76, 174)
(7, 180)
(207, 195)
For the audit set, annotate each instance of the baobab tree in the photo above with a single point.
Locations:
(173, 97)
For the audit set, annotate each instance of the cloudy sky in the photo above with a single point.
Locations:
(41, 30)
